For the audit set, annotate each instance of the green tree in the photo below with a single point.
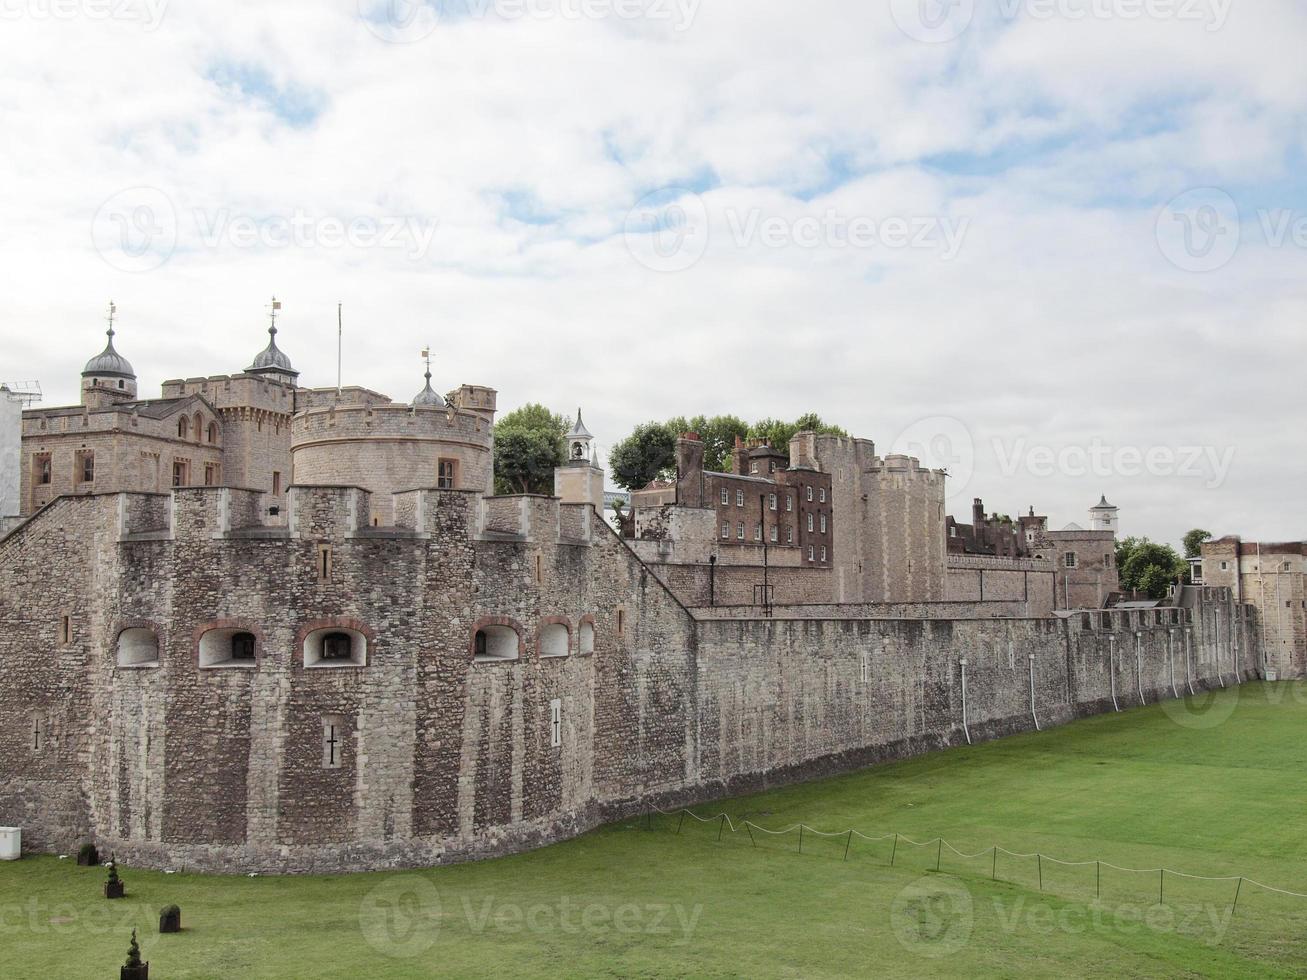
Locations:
(717, 433)
(778, 434)
(646, 454)
(529, 443)
(1150, 568)
(1193, 542)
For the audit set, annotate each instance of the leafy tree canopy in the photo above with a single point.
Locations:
(1147, 567)
(529, 443)
(1193, 542)
(647, 454)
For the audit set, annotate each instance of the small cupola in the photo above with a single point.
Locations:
(108, 374)
(427, 397)
(578, 442)
(272, 360)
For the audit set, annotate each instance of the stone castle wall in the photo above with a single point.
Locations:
(444, 757)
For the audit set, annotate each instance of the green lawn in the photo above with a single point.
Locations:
(1193, 790)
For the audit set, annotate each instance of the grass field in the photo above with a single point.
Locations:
(1220, 790)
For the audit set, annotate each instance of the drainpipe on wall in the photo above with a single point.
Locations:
(1188, 668)
(1139, 665)
(1170, 660)
(965, 730)
(1032, 694)
(1111, 668)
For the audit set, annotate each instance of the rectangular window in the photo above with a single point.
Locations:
(773, 532)
(210, 474)
(66, 630)
(809, 522)
(726, 529)
(809, 494)
(1069, 559)
(555, 723)
(740, 531)
(757, 532)
(324, 563)
(41, 470)
(823, 523)
(276, 482)
(823, 495)
(789, 503)
(85, 466)
(621, 621)
(739, 498)
(726, 496)
(771, 501)
(753, 467)
(333, 734)
(447, 474)
(823, 553)
(789, 535)
(181, 473)
(812, 556)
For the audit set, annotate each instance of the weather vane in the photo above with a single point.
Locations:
(273, 309)
(112, 310)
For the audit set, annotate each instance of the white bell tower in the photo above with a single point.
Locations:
(579, 480)
(1103, 517)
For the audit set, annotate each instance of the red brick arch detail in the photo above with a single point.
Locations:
(484, 621)
(331, 622)
(122, 625)
(555, 621)
(242, 625)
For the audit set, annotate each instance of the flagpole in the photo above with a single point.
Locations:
(340, 340)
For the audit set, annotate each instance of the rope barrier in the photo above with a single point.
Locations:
(940, 843)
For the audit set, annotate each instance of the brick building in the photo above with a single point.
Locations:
(1272, 578)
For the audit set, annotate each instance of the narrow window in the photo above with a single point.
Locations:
(726, 496)
(789, 502)
(210, 474)
(337, 646)
(789, 535)
(333, 730)
(811, 555)
(823, 495)
(726, 529)
(757, 532)
(446, 474)
(1069, 559)
(324, 563)
(41, 467)
(771, 501)
(183, 426)
(621, 621)
(213, 432)
(180, 473)
(66, 630)
(38, 736)
(276, 482)
(753, 467)
(539, 574)
(740, 531)
(866, 669)
(555, 723)
(823, 523)
(809, 494)
(809, 522)
(773, 532)
(823, 552)
(242, 646)
(86, 466)
(739, 498)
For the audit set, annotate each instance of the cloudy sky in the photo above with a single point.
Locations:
(1058, 246)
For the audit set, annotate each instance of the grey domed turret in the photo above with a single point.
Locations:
(272, 360)
(109, 363)
(427, 397)
(108, 378)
